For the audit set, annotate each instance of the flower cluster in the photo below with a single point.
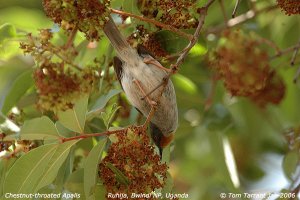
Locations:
(292, 136)
(290, 7)
(244, 67)
(89, 16)
(58, 80)
(135, 158)
(58, 86)
(4, 145)
(42, 50)
(174, 13)
(273, 92)
(148, 40)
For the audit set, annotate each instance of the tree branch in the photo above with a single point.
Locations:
(235, 8)
(240, 19)
(296, 75)
(285, 51)
(223, 10)
(83, 136)
(71, 38)
(157, 23)
(295, 54)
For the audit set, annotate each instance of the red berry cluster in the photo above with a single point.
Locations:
(135, 157)
(89, 16)
(290, 7)
(244, 66)
(174, 13)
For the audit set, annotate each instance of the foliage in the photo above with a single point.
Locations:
(67, 127)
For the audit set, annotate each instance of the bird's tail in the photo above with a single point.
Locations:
(117, 39)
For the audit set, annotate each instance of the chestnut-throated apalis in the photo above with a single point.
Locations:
(139, 73)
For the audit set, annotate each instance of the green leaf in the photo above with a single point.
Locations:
(108, 117)
(166, 155)
(7, 31)
(185, 84)
(131, 7)
(217, 146)
(5, 165)
(91, 168)
(27, 170)
(63, 131)
(39, 129)
(63, 173)
(75, 182)
(218, 117)
(169, 183)
(9, 71)
(170, 41)
(18, 89)
(74, 119)
(290, 163)
(121, 178)
(100, 192)
(55, 163)
(198, 50)
(101, 103)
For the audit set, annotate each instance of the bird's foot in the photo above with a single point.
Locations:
(149, 117)
(154, 62)
(150, 101)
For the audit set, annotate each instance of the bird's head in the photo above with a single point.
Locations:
(159, 139)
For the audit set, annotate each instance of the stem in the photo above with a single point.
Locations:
(157, 23)
(211, 94)
(296, 75)
(71, 38)
(270, 43)
(241, 19)
(295, 54)
(92, 135)
(285, 51)
(66, 60)
(223, 11)
(235, 8)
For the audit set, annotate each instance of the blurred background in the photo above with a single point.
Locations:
(223, 143)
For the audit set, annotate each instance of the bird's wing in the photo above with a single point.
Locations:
(118, 66)
(142, 51)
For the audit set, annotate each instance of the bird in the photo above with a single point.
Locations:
(139, 73)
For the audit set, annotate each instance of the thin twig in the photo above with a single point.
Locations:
(83, 136)
(157, 23)
(296, 75)
(211, 94)
(56, 52)
(285, 51)
(241, 19)
(253, 5)
(71, 38)
(235, 8)
(270, 43)
(295, 54)
(223, 11)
